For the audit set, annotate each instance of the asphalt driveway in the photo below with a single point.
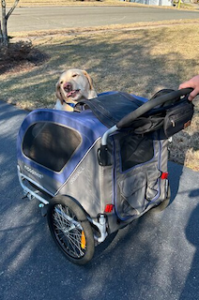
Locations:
(156, 257)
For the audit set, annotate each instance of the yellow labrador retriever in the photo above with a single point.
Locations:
(73, 85)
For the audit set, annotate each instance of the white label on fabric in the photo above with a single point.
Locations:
(33, 172)
(76, 175)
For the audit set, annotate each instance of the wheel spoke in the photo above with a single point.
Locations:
(68, 232)
(71, 230)
(75, 246)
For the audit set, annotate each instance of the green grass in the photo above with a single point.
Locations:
(137, 61)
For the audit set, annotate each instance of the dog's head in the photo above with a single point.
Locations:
(74, 85)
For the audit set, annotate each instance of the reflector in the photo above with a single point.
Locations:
(164, 175)
(83, 240)
(108, 208)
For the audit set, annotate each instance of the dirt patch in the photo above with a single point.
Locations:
(15, 60)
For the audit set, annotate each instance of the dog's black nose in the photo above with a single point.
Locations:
(67, 86)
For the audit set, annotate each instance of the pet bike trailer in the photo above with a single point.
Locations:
(100, 167)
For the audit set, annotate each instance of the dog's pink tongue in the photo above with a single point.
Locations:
(70, 93)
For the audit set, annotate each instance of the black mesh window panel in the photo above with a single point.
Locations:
(135, 150)
(50, 145)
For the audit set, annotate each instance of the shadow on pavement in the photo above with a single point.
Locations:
(191, 290)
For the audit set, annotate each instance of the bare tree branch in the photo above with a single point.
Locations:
(12, 8)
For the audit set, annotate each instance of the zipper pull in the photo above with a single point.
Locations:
(173, 123)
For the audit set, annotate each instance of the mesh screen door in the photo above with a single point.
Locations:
(50, 145)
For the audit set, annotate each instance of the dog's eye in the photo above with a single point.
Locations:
(75, 75)
(61, 82)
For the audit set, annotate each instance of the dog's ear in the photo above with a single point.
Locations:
(90, 80)
(58, 93)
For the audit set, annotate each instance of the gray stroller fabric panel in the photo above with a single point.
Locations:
(153, 174)
(139, 185)
(132, 190)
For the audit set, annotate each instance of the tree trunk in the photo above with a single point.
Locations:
(4, 30)
(4, 24)
(1, 35)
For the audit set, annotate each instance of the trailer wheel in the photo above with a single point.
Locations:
(71, 229)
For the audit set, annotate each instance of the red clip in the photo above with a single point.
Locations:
(108, 208)
(164, 175)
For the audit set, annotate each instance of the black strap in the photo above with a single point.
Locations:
(110, 109)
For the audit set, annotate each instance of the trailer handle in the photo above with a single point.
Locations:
(128, 119)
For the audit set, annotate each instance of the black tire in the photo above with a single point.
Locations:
(73, 236)
(164, 203)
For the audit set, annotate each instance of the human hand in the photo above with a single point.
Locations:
(192, 83)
